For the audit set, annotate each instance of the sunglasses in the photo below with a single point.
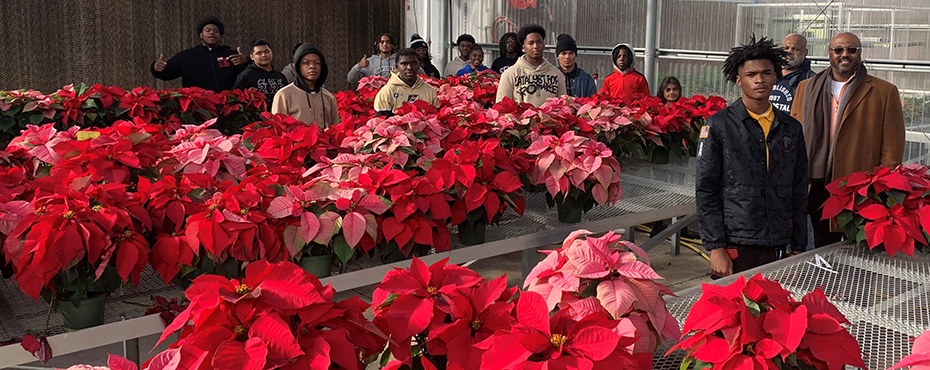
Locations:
(839, 50)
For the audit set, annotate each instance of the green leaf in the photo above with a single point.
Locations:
(898, 195)
(753, 307)
(698, 364)
(844, 218)
(685, 363)
(36, 119)
(861, 236)
(342, 249)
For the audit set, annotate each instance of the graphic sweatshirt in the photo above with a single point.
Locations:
(534, 85)
(396, 92)
(267, 82)
(377, 66)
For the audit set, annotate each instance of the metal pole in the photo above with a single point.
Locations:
(528, 262)
(131, 350)
(651, 44)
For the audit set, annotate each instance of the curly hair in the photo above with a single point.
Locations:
(762, 49)
(527, 30)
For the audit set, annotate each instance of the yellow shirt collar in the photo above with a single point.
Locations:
(769, 115)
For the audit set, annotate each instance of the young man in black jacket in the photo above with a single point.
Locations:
(261, 74)
(210, 66)
(751, 183)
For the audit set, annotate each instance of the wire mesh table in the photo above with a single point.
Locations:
(650, 193)
(886, 299)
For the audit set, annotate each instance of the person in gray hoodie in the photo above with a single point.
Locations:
(380, 64)
(532, 79)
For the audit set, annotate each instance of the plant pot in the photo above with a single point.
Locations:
(87, 313)
(659, 155)
(320, 266)
(569, 212)
(472, 234)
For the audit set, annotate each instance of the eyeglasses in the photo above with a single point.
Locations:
(839, 50)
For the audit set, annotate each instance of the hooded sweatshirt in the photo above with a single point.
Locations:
(267, 82)
(783, 94)
(202, 67)
(454, 66)
(396, 92)
(303, 103)
(627, 83)
(377, 66)
(469, 70)
(534, 85)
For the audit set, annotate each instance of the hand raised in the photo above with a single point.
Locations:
(238, 59)
(364, 63)
(161, 63)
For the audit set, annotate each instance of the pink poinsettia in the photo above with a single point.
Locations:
(919, 359)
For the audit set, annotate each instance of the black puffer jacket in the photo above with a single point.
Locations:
(739, 200)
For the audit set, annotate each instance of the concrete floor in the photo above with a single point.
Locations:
(681, 271)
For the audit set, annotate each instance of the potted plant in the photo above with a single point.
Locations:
(310, 225)
(83, 244)
(606, 275)
(277, 316)
(758, 323)
(482, 180)
(885, 207)
(578, 173)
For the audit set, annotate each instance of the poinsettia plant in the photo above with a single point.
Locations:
(758, 324)
(578, 172)
(435, 315)
(277, 316)
(887, 207)
(606, 275)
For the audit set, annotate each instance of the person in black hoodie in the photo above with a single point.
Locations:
(260, 74)
(306, 100)
(422, 48)
(509, 52)
(210, 66)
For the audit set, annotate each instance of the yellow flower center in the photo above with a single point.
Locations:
(68, 215)
(558, 340)
(244, 211)
(243, 289)
(431, 290)
(239, 329)
(476, 324)
(127, 233)
(213, 207)
(97, 208)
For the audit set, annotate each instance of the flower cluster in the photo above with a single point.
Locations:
(885, 207)
(277, 316)
(756, 324)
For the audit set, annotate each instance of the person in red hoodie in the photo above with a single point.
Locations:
(625, 83)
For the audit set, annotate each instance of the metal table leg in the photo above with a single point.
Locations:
(131, 350)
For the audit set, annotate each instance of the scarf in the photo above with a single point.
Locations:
(815, 115)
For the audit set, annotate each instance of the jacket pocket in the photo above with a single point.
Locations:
(781, 212)
(742, 208)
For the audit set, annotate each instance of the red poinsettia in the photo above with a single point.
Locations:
(756, 324)
(539, 341)
(408, 300)
(278, 316)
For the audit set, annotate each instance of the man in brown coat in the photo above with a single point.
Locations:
(852, 122)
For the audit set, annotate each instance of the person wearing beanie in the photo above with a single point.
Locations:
(260, 75)
(422, 48)
(578, 82)
(625, 83)
(509, 52)
(532, 79)
(380, 64)
(475, 58)
(463, 43)
(305, 99)
(209, 66)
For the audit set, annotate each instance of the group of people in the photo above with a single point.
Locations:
(765, 160)
(297, 89)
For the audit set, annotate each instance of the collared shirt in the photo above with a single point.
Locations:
(765, 120)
